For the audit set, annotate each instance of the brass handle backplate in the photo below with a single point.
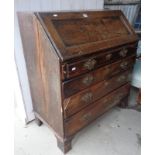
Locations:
(88, 80)
(87, 117)
(87, 97)
(121, 78)
(123, 52)
(90, 64)
(124, 65)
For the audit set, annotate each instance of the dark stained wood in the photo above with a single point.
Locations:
(79, 33)
(79, 66)
(76, 102)
(88, 114)
(43, 71)
(74, 85)
(27, 30)
(65, 145)
(76, 68)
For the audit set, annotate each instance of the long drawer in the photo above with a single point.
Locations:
(75, 68)
(76, 102)
(88, 114)
(75, 85)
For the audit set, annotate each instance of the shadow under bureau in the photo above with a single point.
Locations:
(79, 65)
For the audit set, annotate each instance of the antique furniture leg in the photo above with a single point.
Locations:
(38, 121)
(65, 145)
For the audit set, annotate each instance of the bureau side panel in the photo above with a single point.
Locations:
(43, 69)
(30, 54)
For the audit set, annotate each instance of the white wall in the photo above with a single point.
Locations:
(49, 5)
(41, 5)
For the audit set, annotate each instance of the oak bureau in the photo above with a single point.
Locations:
(79, 65)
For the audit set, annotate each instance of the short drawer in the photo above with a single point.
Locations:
(82, 66)
(76, 102)
(88, 114)
(75, 85)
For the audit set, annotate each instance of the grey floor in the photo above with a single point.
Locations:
(117, 132)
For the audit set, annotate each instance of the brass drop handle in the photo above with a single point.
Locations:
(87, 97)
(123, 52)
(121, 78)
(124, 65)
(88, 80)
(108, 56)
(87, 117)
(90, 64)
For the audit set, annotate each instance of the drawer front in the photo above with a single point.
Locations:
(86, 65)
(75, 85)
(76, 102)
(88, 114)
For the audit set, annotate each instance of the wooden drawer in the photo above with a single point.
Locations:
(88, 114)
(73, 86)
(79, 67)
(76, 102)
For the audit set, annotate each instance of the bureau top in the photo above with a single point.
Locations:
(76, 34)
